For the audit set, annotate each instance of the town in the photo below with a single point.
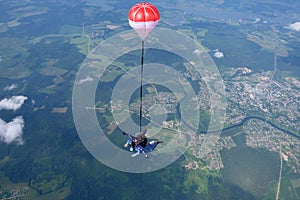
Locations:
(256, 94)
(248, 94)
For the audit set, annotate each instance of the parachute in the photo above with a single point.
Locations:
(143, 17)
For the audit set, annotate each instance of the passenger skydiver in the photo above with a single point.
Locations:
(140, 144)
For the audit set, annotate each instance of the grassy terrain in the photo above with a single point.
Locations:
(14, 57)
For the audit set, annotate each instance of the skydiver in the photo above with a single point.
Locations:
(137, 143)
(149, 147)
(133, 141)
(140, 144)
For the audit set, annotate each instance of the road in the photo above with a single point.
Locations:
(280, 174)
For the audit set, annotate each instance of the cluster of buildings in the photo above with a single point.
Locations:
(208, 158)
(16, 193)
(260, 134)
(159, 103)
(256, 94)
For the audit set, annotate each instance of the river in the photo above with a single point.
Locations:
(262, 119)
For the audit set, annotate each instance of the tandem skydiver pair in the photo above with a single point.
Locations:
(140, 144)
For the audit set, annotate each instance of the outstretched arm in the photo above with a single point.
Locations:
(129, 135)
(128, 142)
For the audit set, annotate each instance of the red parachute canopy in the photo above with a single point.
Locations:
(143, 17)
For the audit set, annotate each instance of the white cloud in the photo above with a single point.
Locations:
(218, 54)
(10, 87)
(14, 103)
(295, 26)
(12, 132)
(197, 51)
(257, 19)
(87, 79)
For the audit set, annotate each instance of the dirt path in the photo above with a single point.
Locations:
(280, 174)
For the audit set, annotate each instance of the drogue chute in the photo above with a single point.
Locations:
(143, 17)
